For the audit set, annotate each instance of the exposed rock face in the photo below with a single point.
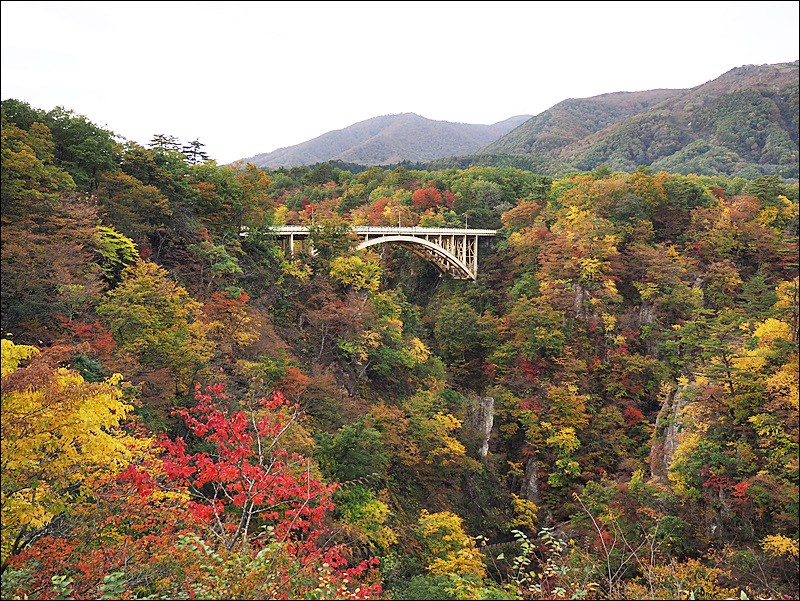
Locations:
(579, 301)
(647, 314)
(484, 421)
(666, 435)
(531, 492)
(530, 487)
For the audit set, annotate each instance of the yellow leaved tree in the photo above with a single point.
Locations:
(452, 553)
(59, 435)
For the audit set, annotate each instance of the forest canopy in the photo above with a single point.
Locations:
(609, 411)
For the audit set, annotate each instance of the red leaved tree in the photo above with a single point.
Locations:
(259, 498)
(426, 198)
(122, 543)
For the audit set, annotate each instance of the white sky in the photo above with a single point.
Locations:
(251, 77)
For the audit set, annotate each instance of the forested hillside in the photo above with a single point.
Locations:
(742, 124)
(571, 121)
(609, 411)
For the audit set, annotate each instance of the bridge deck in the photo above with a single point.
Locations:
(286, 230)
(453, 250)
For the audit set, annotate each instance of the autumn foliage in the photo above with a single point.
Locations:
(192, 410)
(249, 512)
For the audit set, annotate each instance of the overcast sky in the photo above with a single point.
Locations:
(251, 77)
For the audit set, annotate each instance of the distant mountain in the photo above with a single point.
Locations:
(744, 123)
(389, 139)
(573, 120)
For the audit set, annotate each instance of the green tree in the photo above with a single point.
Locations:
(165, 142)
(329, 240)
(354, 452)
(194, 152)
(31, 182)
(136, 209)
(458, 332)
(81, 147)
(217, 265)
(116, 252)
(20, 113)
(156, 321)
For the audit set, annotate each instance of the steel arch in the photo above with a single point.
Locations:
(444, 260)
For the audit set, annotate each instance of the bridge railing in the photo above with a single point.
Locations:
(374, 229)
(426, 231)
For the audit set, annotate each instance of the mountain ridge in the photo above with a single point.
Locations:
(389, 139)
(743, 123)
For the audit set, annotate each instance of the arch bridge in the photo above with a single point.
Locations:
(454, 251)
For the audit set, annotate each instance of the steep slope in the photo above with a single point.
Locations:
(571, 121)
(744, 123)
(389, 139)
